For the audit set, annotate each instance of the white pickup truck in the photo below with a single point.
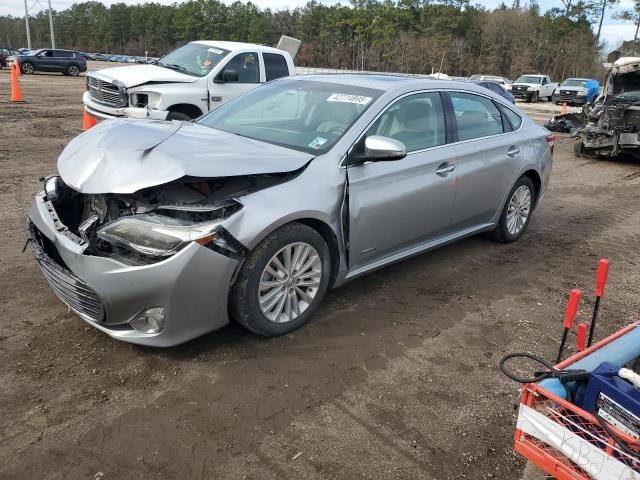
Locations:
(533, 87)
(186, 83)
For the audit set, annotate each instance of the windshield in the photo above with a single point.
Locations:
(299, 114)
(193, 59)
(574, 82)
(529, 79)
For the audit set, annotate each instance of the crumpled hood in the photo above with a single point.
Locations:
(139, 74)
(124, 156)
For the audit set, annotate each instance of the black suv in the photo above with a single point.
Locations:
(66, 62)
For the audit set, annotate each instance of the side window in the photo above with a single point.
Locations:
(62, 54)
(476, 116)
(275, 66)
(416, 120)
(494, 87)
(46, 53)
(514, 118)
(247, 66)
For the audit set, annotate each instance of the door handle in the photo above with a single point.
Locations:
(513, 151)
(445, 169)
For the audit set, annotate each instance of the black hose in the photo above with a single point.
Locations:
(565, 376)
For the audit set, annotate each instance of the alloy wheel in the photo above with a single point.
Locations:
(290, 282)
(519, 209)
(73, 71)
(27, 68)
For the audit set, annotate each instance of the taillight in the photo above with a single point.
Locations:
(551, 141)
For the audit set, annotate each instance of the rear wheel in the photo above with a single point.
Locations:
(282, 282)
(72, 70)
(27, 68)
(517, 211)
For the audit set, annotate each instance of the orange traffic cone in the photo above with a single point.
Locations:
(564, 107)
(87, 120)
(16, 93)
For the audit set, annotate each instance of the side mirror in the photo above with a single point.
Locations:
(227, 76)
(378, 149)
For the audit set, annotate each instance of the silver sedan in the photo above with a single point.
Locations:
(158, 232)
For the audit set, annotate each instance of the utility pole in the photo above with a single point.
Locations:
(26, 19)
(53, 36)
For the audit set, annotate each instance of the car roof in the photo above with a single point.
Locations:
(398, 83)
(238, 46)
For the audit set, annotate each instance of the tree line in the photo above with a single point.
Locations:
(409, 36)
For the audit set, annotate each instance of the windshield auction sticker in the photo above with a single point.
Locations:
(345, 98)
(317, 143)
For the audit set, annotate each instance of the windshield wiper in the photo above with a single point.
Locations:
(173, 66)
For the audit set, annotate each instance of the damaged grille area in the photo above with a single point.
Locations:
(106, 93)
(68, 287)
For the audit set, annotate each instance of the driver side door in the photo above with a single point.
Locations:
(395, 205)
(250, 75)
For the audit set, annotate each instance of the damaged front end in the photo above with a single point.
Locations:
(153, 223)
(611, 124)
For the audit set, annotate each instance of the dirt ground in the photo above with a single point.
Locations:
(396, 377)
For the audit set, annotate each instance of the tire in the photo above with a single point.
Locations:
(578, 148)
(27, 68)
(179, 116)
(504, 232)
(534, 97)
(274, 320)
(72, 71)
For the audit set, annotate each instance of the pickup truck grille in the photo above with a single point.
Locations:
(568, 93)
(106, 93)
(519, 88)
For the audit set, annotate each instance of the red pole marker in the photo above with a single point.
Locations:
(569, 316)
(601, 281)
(582, 336)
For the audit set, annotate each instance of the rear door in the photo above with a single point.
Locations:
(249, 69)
(61, 59)
(489, 157)
(396, 204)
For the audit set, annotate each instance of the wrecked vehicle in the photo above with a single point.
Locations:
(576, 91)
(611, 124)
(156, 232)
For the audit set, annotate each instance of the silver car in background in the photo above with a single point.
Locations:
(157, 232)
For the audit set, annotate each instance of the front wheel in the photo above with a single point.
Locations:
(534, 97)
(27, 68)
(179, 116)
(517, 211)
(282, 282)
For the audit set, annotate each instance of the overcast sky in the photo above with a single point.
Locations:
(613, 31)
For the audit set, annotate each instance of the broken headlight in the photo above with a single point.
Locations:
(52, 188)
(157, 235)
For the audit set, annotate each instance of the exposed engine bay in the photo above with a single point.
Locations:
(611, 124)
(154, 223)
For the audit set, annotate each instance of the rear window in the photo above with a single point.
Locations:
(62, 53)
(476, 116)
(514, 118)
(275, 66)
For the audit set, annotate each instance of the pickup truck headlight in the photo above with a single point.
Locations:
(582, 94)
(531, 89)
(157, 235)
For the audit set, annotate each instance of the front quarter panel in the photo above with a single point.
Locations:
(316, 193)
